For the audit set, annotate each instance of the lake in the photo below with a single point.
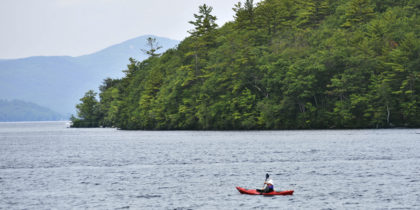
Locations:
(46, 165)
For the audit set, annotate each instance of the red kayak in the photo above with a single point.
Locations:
(255, 192)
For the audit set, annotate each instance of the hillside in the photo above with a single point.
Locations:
(281, 64)
(57, 82)
(13, 111)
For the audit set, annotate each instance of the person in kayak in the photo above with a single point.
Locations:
(269, 187)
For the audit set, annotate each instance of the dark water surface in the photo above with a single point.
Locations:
(46, 165)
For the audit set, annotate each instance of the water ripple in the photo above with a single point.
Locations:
(58, 168)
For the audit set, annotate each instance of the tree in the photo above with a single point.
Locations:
(204, 23)
(203, 36)
(244, 14)
(153, 47)
(358, 11)
(88, 111)
(312, 12)
(273, 15)
(109, 99)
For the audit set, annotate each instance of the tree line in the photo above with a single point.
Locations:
(280, 64)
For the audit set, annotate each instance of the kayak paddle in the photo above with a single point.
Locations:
(266, 177)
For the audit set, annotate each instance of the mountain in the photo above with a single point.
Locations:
(58, 82)
(16, 110)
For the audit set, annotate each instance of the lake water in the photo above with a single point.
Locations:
(46, 165)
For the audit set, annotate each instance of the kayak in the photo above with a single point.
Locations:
(255, 192)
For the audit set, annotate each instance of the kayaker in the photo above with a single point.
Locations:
(269, 187)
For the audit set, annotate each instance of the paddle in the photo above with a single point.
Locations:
(266, 177)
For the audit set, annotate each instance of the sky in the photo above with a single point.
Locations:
(79, 27)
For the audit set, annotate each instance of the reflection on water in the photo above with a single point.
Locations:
(46, 165)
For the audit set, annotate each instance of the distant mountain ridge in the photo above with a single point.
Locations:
(58, 82)
(16, 110)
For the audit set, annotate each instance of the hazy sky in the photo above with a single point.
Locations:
(77, 27)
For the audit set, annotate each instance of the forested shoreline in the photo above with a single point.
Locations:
(280, 64)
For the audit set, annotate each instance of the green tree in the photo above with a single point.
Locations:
(204, 22)
(245, 14)
(153, 47)
(358, 11)
(88, 111)
(312, 12)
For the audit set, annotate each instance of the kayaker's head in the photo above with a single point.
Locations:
(269, 182)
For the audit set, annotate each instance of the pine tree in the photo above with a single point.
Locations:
(153, 47)
(358, 11)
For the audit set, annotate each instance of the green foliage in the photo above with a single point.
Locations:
(88, 111)
(279, 65)
(153, 47)
(312, 12)
(204, 22)
(358, 11)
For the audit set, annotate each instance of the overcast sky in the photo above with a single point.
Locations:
(78, 27)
